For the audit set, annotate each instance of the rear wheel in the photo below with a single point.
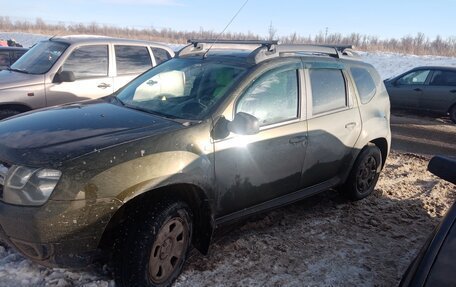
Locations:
(453, 113)
(156, 248)
(6, 113)
(364, 174)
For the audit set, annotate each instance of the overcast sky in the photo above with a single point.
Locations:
(385, 19)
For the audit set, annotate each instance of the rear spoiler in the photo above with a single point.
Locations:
(443, 167)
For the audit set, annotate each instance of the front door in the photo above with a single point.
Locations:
(408, 89)
(89, 65)
(251, 169)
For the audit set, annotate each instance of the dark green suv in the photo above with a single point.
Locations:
(216, 134)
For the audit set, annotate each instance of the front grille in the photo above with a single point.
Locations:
(4, 168)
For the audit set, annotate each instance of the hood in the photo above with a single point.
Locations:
(51, 136)
(11, 79)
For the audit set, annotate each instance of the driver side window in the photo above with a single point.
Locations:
(414, 78)
(88, 62)
(273, 98)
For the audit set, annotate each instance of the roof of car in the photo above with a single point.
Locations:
(435, 68)
(82, 39)
(3, 48)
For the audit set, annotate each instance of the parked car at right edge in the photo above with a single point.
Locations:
(435, 263)
(9, 55)
(216, 134)
(430, 89)
(74, 68)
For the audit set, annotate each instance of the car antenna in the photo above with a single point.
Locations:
(50, 39)
(226, 27)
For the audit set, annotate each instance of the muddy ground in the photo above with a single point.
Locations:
(324, 240)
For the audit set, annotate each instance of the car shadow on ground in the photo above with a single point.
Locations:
(323, 240)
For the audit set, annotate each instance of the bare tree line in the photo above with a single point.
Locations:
(418, 44)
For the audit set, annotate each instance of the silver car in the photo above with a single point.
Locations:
(74, 68)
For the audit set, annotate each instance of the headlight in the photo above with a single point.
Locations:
(29, 186)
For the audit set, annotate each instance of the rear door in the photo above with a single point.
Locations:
(130, 61)
(334, 124)
(440, 94)
(90, 66)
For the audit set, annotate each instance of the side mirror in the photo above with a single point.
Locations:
(244, 124)
(64, 76)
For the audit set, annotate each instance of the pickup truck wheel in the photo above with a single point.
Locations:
(6, 113)
(453, 113)
(364, 174)
(156, 249)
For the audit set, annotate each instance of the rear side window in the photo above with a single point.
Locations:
(443, 78)
(132, 59)
(160, 55)
(364, 83)
(88, 62)
(328, 90)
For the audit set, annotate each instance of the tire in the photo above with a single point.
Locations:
(6, 113)
(452, 113)
(154, 251)
(364, 175)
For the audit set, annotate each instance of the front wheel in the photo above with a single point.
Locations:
(156, 248)
(364, 174)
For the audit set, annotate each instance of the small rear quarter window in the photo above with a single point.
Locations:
(364, 83)
(161, 55)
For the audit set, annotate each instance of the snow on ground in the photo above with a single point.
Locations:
(392, 64)
(323, 240)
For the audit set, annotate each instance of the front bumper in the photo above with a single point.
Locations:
(59, 233)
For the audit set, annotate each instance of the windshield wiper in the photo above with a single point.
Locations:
(17, 70)
(117, 100)
(148, 111)
(163, 115)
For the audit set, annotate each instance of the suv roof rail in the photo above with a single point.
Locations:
(235, 42)
(200, 45)
(331, 50)
(266, 49)
(336, 51)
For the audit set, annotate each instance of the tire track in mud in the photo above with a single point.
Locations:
(423, 135)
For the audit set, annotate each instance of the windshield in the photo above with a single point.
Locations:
(40, 58)
(181, 88)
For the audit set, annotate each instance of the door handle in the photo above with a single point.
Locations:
(350, 125)
(298, 139)
(417, 90)
(103, 86)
